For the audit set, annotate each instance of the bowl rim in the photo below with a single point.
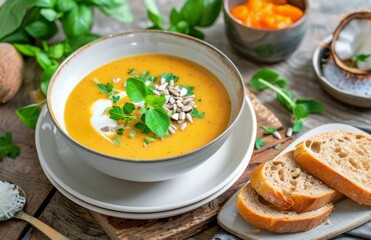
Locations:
(232, 66)
(296, 24)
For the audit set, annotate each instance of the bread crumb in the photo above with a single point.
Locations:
(328, 222)
(256, 231)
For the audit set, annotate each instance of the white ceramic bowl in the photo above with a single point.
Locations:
(110, 48)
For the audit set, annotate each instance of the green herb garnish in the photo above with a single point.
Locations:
(195, 113)
(301, 108)
(117, 113)
(259, 143)
(132, 71)
(29, 114)
(268, 130)
(116, 140)
(148, 140)
(109, 90)
(360, 58)
(169, 76)
(120, 132)
(132, 133)
(7, 148)
(189, 89)
(194, 14)
(199, 100)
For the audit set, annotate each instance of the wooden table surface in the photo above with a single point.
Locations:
(56, 210)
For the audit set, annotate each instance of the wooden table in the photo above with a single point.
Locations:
(57, 211)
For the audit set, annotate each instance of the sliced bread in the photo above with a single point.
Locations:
(260, 213)
(284, 184)
(341, 159)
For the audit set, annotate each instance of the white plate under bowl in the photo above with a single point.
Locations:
(350, 90)
(98, 189)
(346, 215)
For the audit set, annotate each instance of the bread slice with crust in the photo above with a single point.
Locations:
(341, 159)
(284, 184)
(260, 213)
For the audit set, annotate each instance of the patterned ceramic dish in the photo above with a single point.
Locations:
(350, 90)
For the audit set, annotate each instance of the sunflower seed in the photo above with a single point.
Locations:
(277, 135)
(166, 91)
(174, 92)
(182, 126)
(189, 117)
(162, 87)
(183, 92)
(163, 80)
(124, 84)
(181, 116)
(166, 108)
(171, 131)
(106, 129)
(173, 126)
(175, 116)
(156, 92)
(172, 100)
(192, 104)
(187, 100)
(187, 108)
(174, 107)
(289, 132)
(171, 82)
(180, 104)
(189, 96)
(116, 80)
(120, 126)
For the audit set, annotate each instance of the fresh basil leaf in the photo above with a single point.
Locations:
(156, 19)
(103, 3)
(158, 121)
(210, 12)
(29, 115)
(67, 48)
(151, 6)
(183, 27)
(175, 17)
(192, 12)
(300, 112)
(56, 51)
(128, 108)
(46, 76)
(50, 14)
(311, 106)
(44, 3)
(27, 50)
(7, 148)
(41, 29)
(11, 14)
(266, 74)
(121, 13)
(196, 33)
(298, 126)
(43, 60)
(283, 101)
(65, 5)
(77, 21)
(81, 40)
(280, 82)
(155, 102)
(268, 130)
(136, 90)
(259, 143)
(18, 36)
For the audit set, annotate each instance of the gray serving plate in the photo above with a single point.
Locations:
(351, 90)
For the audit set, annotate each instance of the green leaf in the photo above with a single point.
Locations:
(151, 6)
(105, 88)
(210, 12)
(268, 130)
(183, 27)
(155, 102)
(136, 90)
(300, 112)
(103, 3)
(132, 133)
(192, 12)
(196, 33)
(11, 14)
(199, 100)
(46, 76)
(116, 113)
(43, 60)
(50, 14)
(81, 40)
(121, 13)
(27, 50)
(114, 98)
(259, 143)
(277, 147)
(116, 140)
(156, 19)
(189, 89)
(65, 5)
(132, 71)
(169, 76)
(56, 51)
(311, 106)
(195, 113)
(120, 131)
(175, 17)
(148, 140)
(77, 21)
(44, 3)
(298, 126)
(41, 29)
(128, 108)
(360, 58)
(7, 148)
(158, 121)
(29, 114)
(143, 127)
(18, 36)
(269, 76)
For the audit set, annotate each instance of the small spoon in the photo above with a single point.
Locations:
(18, 213)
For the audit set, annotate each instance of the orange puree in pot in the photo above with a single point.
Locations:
(265, 14)
(210, 98)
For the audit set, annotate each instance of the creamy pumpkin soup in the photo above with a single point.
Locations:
(147, 107)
